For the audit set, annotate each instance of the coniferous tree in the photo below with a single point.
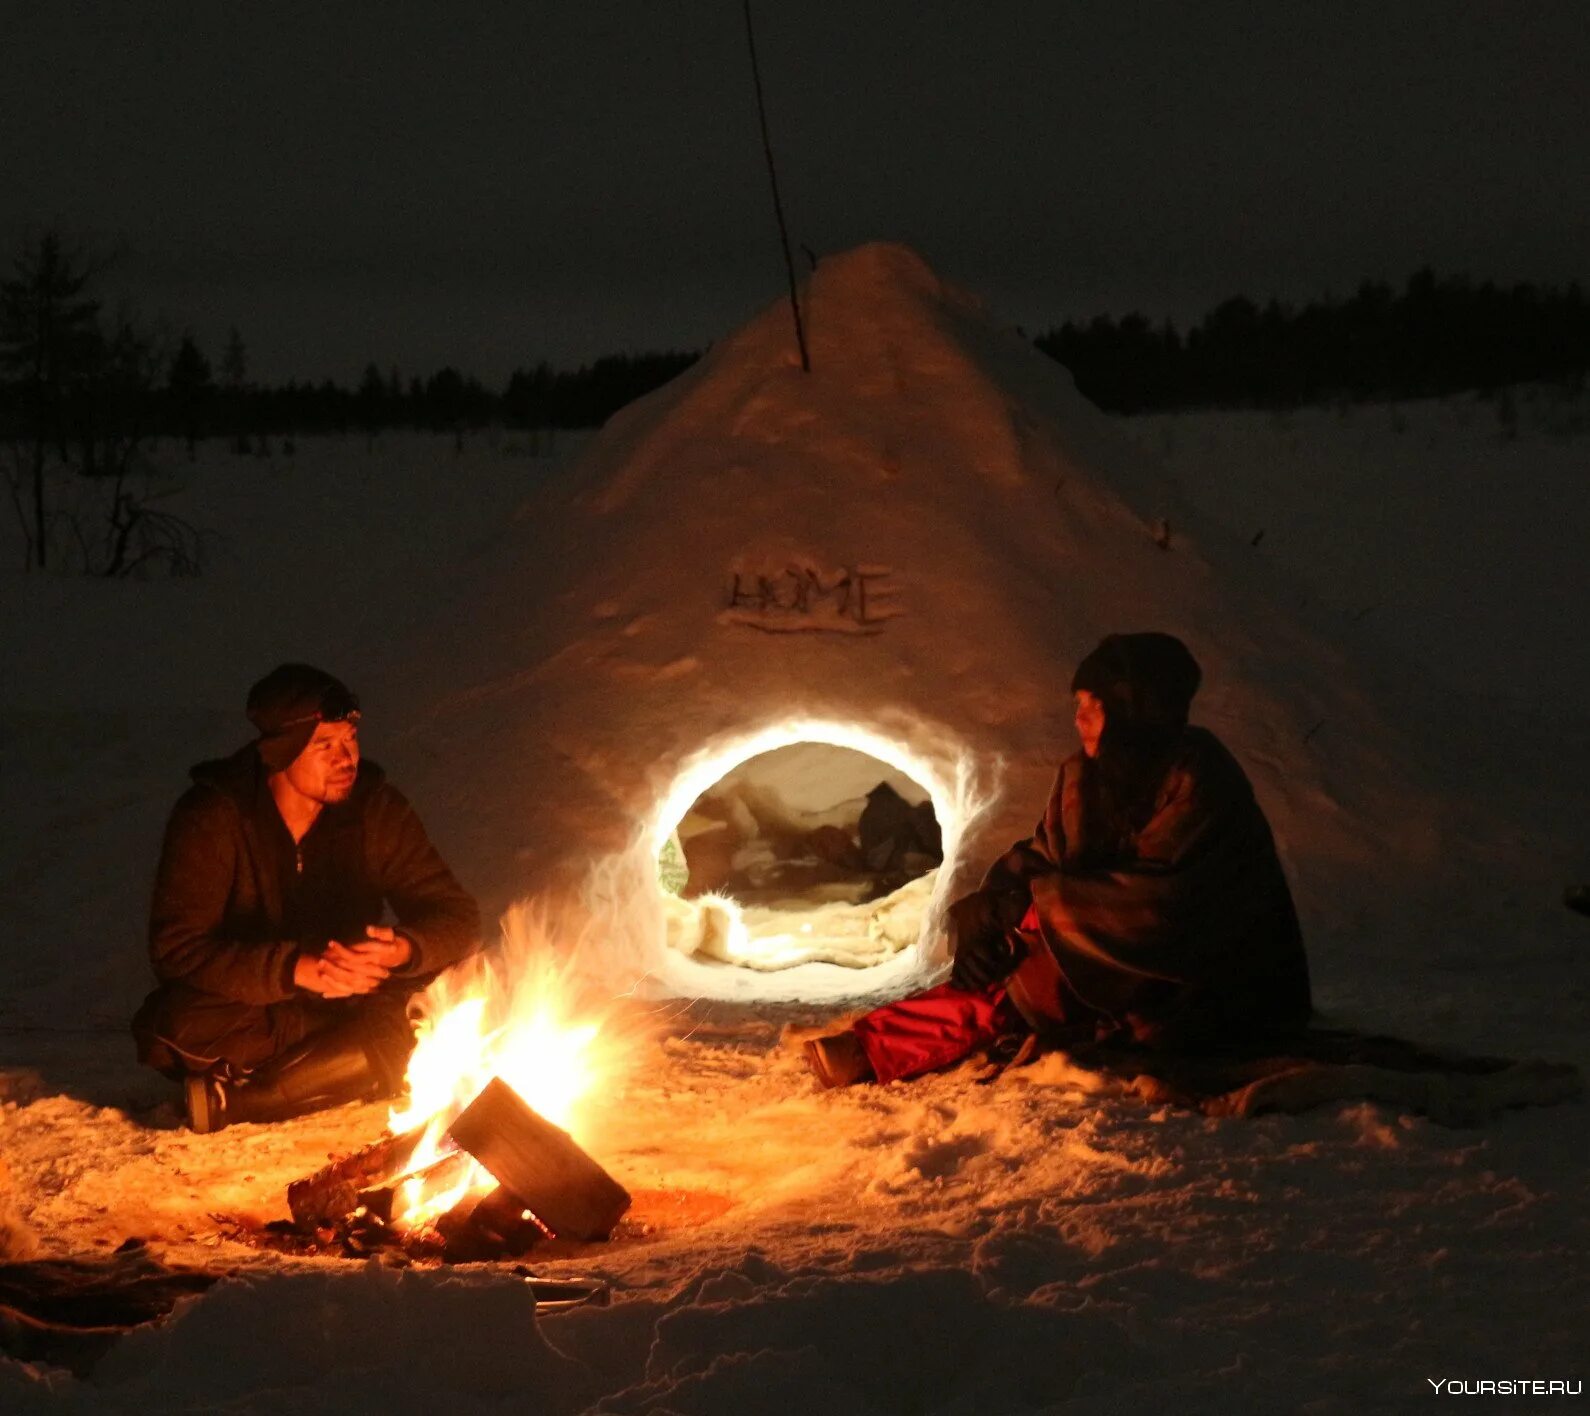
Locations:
(370, 402)
(115, 409)
(234, 377)
(525, 401)
(47, 328)
(190, 389)
(234, 363)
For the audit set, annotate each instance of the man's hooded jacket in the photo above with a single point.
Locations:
(1152, 879)
(236, 901)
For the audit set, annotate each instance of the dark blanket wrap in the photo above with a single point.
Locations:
(1184, 932)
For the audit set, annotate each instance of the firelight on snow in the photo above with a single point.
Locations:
(521, 1014)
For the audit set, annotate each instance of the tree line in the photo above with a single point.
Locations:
(1436, 336)
(72, 373)
(198, 405)
(89, 390)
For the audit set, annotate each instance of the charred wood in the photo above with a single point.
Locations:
(541, 1164)
(334, 1191)
(495, 1225)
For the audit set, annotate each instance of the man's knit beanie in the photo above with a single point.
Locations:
(287, 705)
(1144, 680)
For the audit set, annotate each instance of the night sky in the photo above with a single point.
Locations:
(492, 184)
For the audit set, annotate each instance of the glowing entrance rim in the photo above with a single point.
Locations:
(948, 776)
(706, 769)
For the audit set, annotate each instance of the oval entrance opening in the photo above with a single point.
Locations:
(809, 853)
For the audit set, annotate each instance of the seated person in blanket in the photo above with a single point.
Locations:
(1148, 905)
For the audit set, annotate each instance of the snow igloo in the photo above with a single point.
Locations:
(760, 594)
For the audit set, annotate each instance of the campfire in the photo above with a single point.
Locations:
(482, 1158)
(485, 1156)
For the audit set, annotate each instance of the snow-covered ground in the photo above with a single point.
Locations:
(939, 1246)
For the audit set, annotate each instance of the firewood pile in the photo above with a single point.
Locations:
(546, 1187)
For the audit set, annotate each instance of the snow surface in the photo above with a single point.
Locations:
(936, 1246)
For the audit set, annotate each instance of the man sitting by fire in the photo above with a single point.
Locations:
(1149, 904)
(281, 990)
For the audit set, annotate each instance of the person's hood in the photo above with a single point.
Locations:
(241, 775)
(1145, 681)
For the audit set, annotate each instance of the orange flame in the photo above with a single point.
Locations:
(518, 1013)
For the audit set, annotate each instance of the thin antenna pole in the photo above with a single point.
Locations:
(772, 177)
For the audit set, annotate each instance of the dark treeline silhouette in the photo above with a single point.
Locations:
(448, 401)
(95, 390)
(72, 377)
(1435, 337)
(188, 402)
(88, 393)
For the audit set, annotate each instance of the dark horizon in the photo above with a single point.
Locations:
(491, 189)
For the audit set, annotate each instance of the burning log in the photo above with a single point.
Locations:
(545, 1184)
(539, 1164)
(335, 1190)
(386, 1201)
(488, 1226)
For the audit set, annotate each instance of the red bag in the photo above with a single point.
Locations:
(931, 1030)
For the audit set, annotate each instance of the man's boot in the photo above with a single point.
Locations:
(360, 1060)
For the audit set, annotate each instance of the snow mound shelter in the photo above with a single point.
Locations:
(904, 553)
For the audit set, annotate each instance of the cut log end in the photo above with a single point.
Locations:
(540, 1164)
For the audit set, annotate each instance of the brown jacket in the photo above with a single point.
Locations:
(235, 902)
(1188, 930)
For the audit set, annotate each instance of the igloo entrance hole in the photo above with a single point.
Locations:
(765, 867)
(829, 855)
